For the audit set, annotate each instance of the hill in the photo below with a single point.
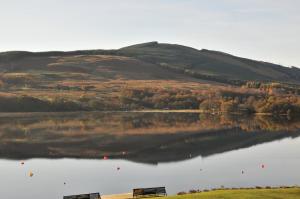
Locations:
(145, 76)
(148, 60)
(210, 63)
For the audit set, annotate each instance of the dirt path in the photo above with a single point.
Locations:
(118, 196)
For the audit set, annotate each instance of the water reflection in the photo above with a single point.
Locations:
(140, 137)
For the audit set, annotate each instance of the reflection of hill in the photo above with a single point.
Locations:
(205, 144)
(145, 137)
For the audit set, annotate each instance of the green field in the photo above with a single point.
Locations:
(290, 193)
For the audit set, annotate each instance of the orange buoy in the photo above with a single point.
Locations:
(30, 174)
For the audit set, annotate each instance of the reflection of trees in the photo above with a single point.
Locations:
(146, 137)
(136, 123)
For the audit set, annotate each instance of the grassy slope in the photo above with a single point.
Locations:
(152, 55)
(128, 78)
(210, 62)
(291, 193)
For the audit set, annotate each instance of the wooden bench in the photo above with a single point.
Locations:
(155, 191)
(84, 196)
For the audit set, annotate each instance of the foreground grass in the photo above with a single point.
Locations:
(290, 193)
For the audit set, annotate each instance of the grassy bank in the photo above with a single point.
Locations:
(289, 193)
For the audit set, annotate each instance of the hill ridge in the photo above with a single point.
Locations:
(204, 63)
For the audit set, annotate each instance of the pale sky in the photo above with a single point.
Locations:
(266, 30)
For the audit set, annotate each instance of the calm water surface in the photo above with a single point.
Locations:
(180, 151)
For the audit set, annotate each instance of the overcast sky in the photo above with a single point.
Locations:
(266, 30)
